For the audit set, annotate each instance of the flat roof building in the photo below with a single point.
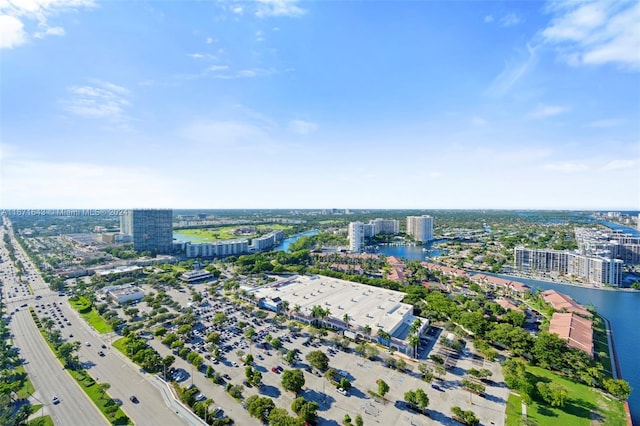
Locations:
(196, 276)
(124, 293)
(366, 305)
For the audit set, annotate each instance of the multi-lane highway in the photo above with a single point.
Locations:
(154, 407)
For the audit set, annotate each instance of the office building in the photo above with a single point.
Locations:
(420, 228)
(356, 237)
(151, 229)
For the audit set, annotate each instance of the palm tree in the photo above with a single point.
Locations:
(346, 318)
(367, 330)
(285, 307)
(206, 403)
(414, 341)
(317, 312)
(325, 314)
(415, 327)
(103, 389)
(384, 336)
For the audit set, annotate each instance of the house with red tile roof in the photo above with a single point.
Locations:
(564, 303)
(577, 331)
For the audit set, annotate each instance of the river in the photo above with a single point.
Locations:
(284, 245)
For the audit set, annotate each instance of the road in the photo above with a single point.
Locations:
(123, 376)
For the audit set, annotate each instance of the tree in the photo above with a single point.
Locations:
(358, 420)
(553, 394)
(401, 364)
(103, 387)
(68, 351)
(307, 410)
(346, 318)
(345, 383)
(249, 333)
(618, 388)
(248, 360)
(318, 359)
(418, 398)
(290, 357)
(281, 417)
(371, 352)
(383, 387)
(259, 407)
(426, 371)
(346, 420)
(548, 350)
(276, 343)
(219, 318)
(367, 330)
(213, 337)
(293, 380)
(466, 417)
(384, 336)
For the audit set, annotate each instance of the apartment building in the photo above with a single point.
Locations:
(267, 241)
(593, 269)
(356, 236)
(216, 249)
(420, 227)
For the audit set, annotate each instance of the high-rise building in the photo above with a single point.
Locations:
(356, 236)
(385, 226)
(420, 228)
(152, 229)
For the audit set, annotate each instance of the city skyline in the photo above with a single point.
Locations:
(286, 104)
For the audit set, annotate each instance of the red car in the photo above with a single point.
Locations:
(275, 370)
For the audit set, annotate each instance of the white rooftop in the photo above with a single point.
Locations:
(366, 305)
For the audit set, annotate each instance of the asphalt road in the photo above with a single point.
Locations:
(154, 407)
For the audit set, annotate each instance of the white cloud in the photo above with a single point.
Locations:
(103, 100)
(435, 175)
(513, 72)
(259, 36)
(605, 123)
(596, 32)
(488, 19)
(544, 111)
(510, 20)
(238, 10)
(209, 40)
(566, 167)
(12, 32)
(216, 68)
(51, 31)
(302, 127)
(17, 19)
(620, 164)
(288, 8)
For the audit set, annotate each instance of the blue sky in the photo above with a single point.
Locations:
(319, 104)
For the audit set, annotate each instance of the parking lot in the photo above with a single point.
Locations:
(362, 373)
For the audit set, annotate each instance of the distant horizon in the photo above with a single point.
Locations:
(106, 209)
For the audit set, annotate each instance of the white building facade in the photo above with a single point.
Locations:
(356, 237)
(420, 228)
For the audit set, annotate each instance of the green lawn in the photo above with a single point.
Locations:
(121, 345)
(223, 232)
(583, 404)
(41, 421)
(102, 401)
(96, 321)
(600, 344)
(27, 388)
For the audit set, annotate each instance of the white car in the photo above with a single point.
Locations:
(342, 391)
(88, 344)
(55, 399)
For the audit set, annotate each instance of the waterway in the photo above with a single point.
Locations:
(284, 245)
(621, 309)
(411, 252)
